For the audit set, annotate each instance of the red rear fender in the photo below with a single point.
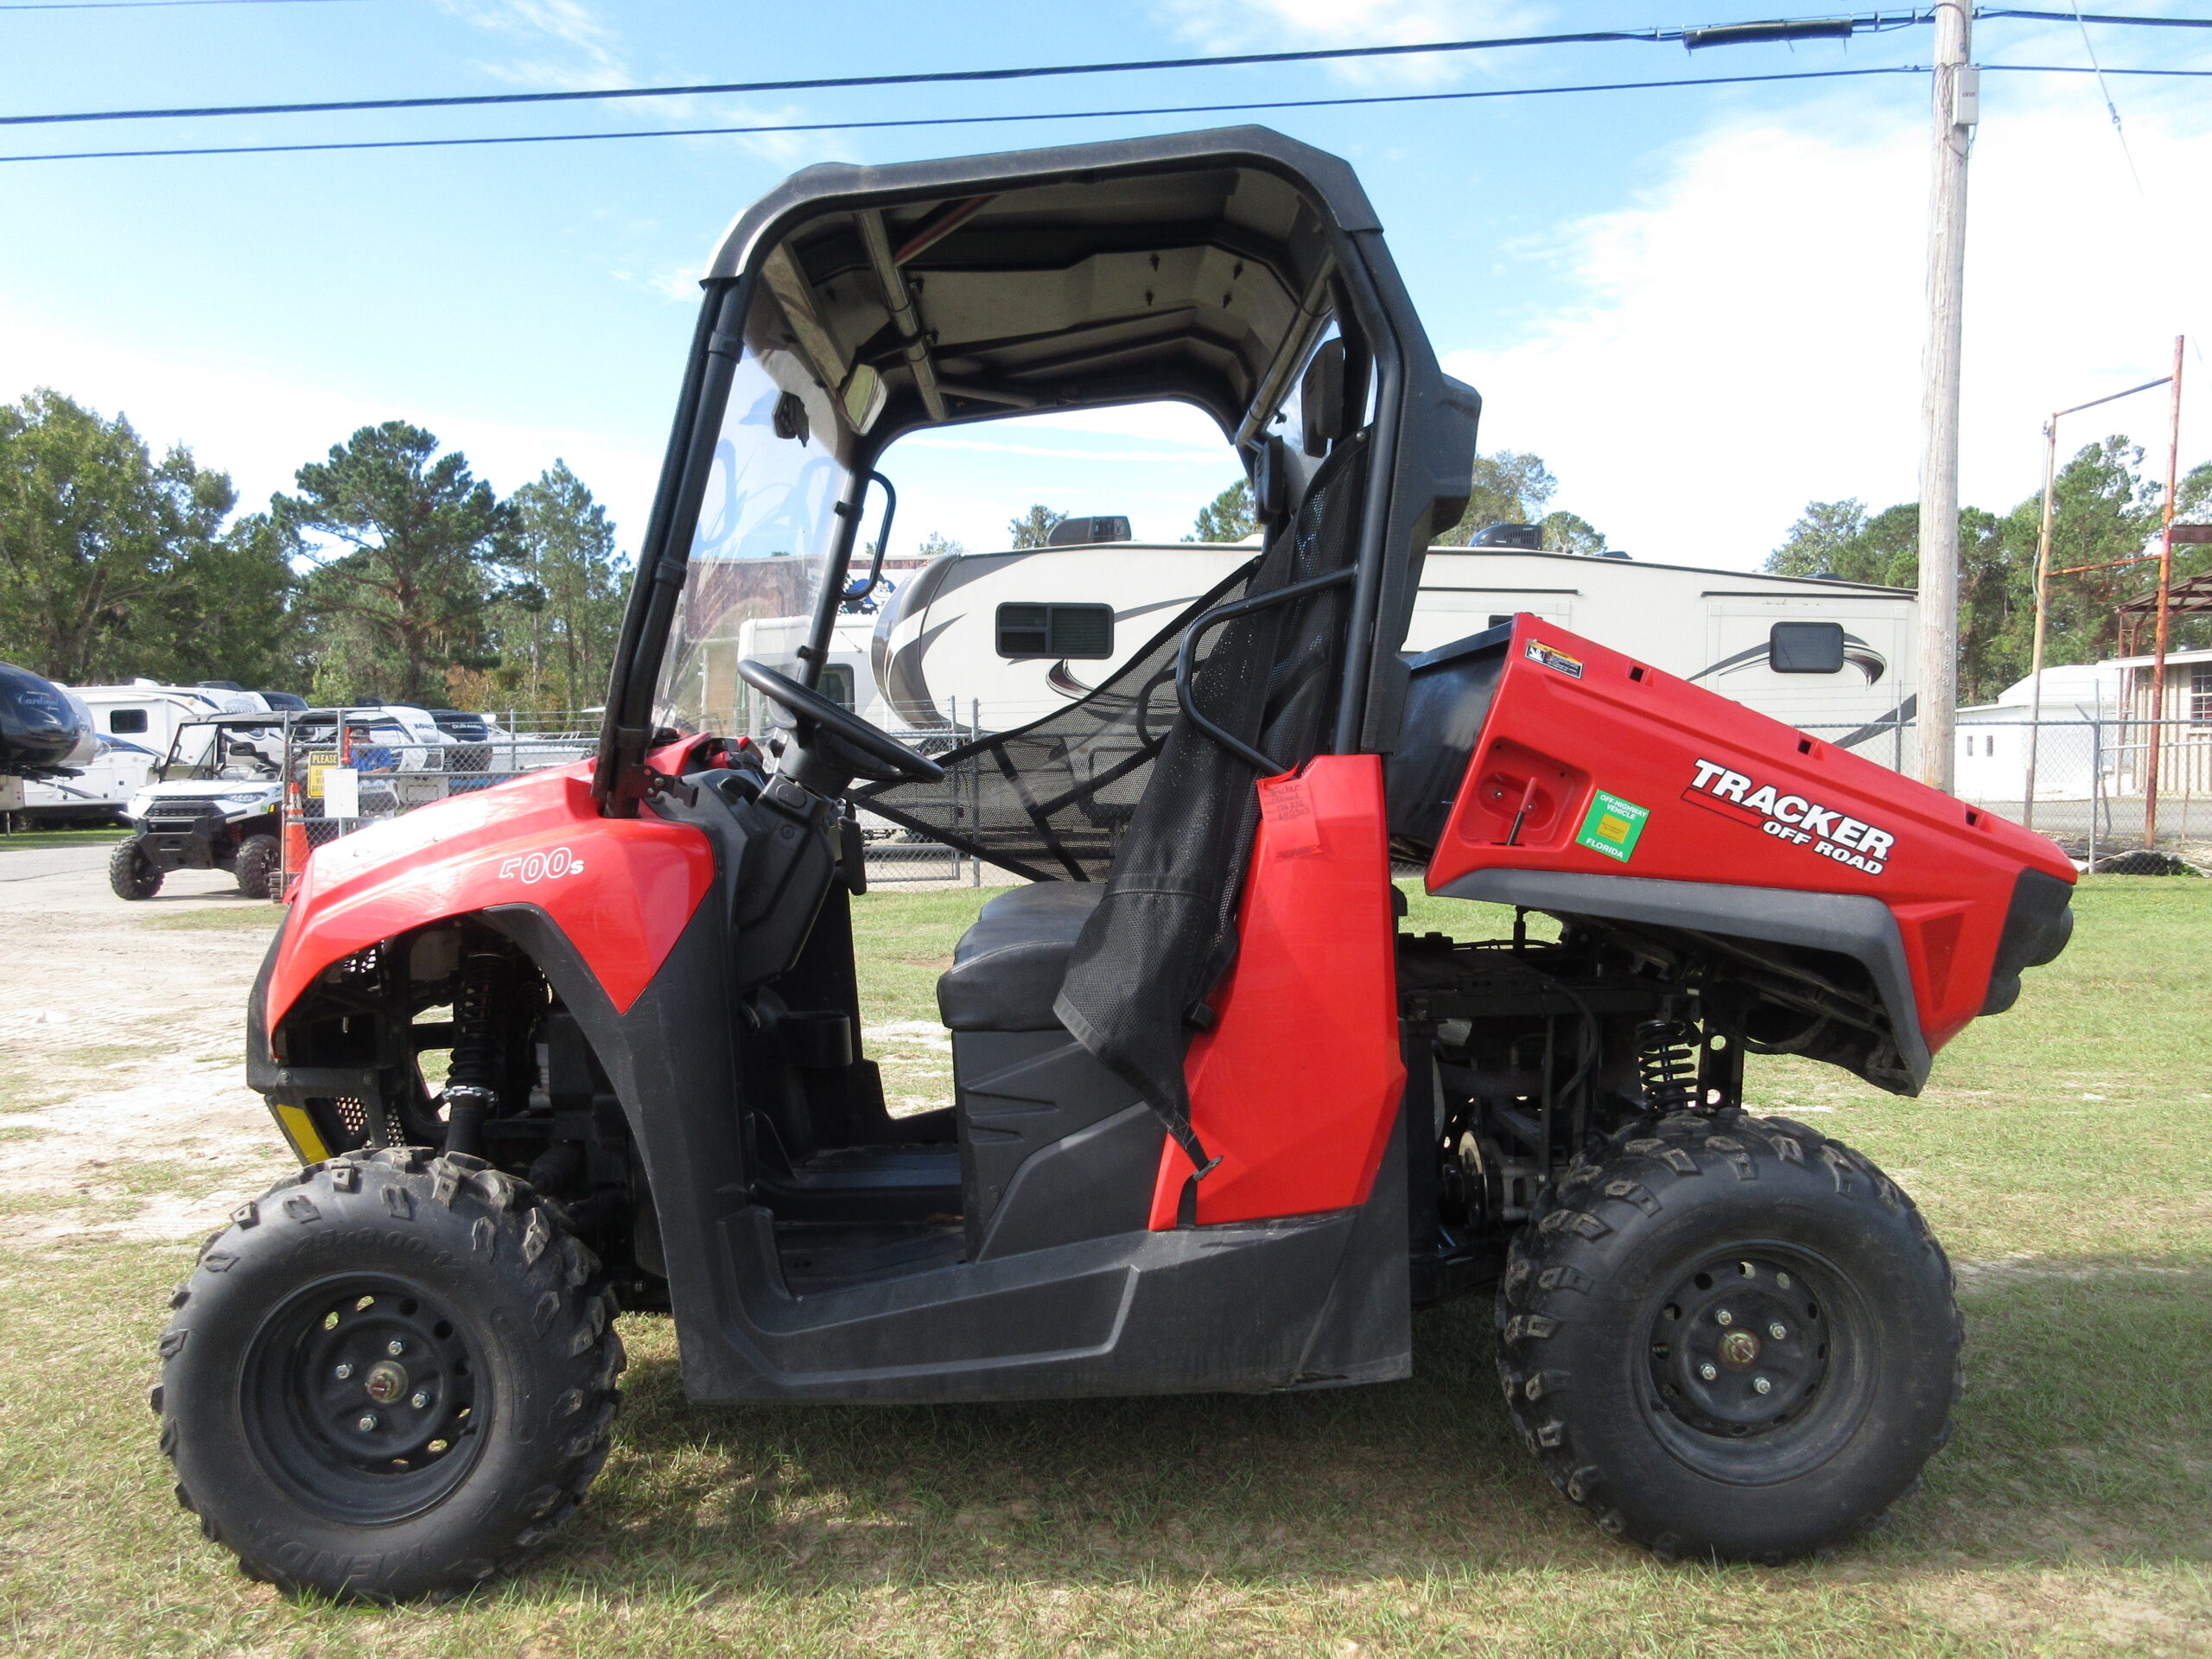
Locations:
(1588, 765)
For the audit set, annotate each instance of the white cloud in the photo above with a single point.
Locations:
(595, 65)
(679, 282)
(259, 424)
(566, 21)
(1277, 25)
(1748, 336)
(783, 149)
(1157, 463)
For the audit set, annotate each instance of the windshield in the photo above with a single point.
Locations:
(766, 528)
(203, 753)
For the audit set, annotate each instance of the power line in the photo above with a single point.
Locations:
(2105, 92)
(1687, 36)
(972, 120)
(2084, 69)
(1871, 22)
(2121, 19)
(1066, 114)
(140, 6)
(1070, 115)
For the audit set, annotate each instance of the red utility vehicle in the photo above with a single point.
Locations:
(1218, 1123)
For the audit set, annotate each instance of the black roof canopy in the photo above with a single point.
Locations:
(1194, 265)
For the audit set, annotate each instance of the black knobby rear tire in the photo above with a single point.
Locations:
(131, 874)
(390, 1376)
(1696, 1260)
(258, 866)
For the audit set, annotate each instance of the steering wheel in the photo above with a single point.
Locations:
(859, 741)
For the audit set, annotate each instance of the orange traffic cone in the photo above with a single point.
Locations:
(295, 841)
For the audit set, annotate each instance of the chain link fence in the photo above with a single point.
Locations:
(377, 770)
(2090, 791)
(363, 766)
(2084, 781)
(896, 854)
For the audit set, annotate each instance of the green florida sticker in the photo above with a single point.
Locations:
(1612, 826)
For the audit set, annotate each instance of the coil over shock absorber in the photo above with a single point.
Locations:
(472, 1080)
(1666, 1063)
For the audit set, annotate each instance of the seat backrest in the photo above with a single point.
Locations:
(1164, 930)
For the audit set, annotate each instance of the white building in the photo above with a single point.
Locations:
(2094, 738)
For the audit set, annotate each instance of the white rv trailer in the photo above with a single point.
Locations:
(135, 725)
(1021, 633)
(845, 678)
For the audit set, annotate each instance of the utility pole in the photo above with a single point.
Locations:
(2165, 591)
(2043, 614)
(1956, 108)
(2042, 577)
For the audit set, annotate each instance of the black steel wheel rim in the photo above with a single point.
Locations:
(1758, 1363)
(365, 1398)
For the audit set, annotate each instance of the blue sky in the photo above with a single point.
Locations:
(1700, 306)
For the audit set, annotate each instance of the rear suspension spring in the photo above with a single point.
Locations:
(1666, 1061)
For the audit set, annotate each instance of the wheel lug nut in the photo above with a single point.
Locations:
(420, 1399)
(1708, 1371)
(1782, 1280)
(1724, 1317)
(1760, 1385)
(344, 1371)
(367, 1422)
(1776, 1332)
(395, 1347)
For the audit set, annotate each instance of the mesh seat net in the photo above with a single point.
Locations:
(1121, 787)
(1051, 800)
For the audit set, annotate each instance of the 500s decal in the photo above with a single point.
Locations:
(542, 867)
(1792, 818)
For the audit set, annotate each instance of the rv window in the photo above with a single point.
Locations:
(1806, 647)
(1056, 630)
(126, 720)
(837, 684)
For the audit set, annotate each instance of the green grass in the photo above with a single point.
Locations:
(246, 916)
(2071, 1515)
(905, 941)
(30, 841)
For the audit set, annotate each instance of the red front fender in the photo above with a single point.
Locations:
(621, 889)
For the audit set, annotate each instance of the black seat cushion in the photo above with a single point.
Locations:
(1007, 967)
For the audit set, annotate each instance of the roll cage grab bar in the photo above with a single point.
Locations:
(1187, 651)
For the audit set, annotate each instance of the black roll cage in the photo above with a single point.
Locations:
(1411, 486)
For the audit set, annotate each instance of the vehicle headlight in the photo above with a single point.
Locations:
(138, 806)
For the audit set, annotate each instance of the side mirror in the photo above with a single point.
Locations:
(1271, 480)
(863, 396)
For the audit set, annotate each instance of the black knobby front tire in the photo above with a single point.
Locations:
(1730, 1338)
(258, 866)
(388, 1376)
(131, 874)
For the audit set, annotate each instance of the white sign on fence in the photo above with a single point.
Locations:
(341, 792)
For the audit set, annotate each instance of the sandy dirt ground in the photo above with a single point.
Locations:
(123, 1110)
